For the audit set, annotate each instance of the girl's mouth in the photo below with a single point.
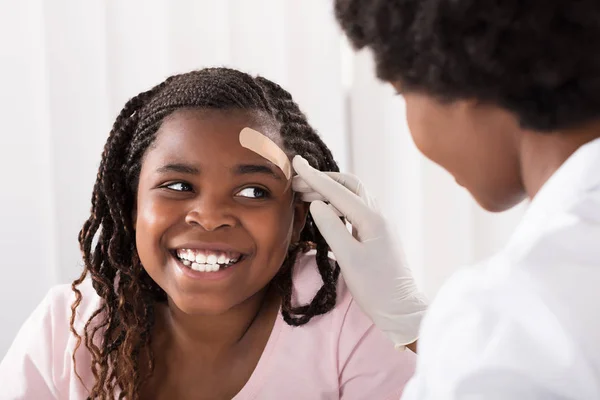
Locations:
(207, 260)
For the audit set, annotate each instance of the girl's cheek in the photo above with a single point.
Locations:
(271, 224)
(154, 215)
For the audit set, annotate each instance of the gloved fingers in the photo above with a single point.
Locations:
(351, 182)
(308, 194)
(314, 196)
(318, 197)
(311, 196)
(332, 228)
(355, 234)
(356, 211)
(300, 186)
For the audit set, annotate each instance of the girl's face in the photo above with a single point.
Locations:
(203, 197)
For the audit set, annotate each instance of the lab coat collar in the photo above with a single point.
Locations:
(579, 174)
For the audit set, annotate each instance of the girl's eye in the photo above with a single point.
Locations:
(254, 193)
(179, 187)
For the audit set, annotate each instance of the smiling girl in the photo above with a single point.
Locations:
(204, 279)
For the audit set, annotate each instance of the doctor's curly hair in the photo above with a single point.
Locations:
(538, 59)
(122, 325)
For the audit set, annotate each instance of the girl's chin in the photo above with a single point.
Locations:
(200, 306)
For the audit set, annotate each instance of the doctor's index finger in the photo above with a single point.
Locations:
(300, 186)
(349, 181)
(349, 204)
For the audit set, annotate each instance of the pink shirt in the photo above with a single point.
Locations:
(340, 355)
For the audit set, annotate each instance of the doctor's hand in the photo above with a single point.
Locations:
(370, 259)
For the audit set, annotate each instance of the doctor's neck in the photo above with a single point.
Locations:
(542, 154)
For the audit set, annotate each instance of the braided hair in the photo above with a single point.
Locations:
(118, 333)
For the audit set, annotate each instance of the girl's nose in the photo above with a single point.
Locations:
(211, 214)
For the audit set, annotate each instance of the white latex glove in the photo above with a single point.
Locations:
(371, 261)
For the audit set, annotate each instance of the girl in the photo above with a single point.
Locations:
(203, 283)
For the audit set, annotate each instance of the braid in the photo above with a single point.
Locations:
(299, 136)
(118, 334)
(111, 258)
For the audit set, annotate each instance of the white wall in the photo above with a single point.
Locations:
(68, 66)
(28, 234)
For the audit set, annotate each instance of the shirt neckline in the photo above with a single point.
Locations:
(258, 377)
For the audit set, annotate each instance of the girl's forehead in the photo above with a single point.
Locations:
(208, 138)
(219, 126)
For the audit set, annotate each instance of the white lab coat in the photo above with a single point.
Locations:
(525, 324)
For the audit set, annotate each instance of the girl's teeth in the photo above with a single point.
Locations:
(205, 263)
(203, 267)
(211, 259)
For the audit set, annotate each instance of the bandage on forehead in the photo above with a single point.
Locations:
(266, 148)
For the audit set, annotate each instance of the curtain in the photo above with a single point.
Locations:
(68, 66)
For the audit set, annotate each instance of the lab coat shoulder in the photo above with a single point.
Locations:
(523, 324)
(562, 269)
(39, 362)
(495, 331)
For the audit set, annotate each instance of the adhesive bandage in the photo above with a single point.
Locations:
(266, 148)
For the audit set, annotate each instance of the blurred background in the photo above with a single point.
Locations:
(68, 66)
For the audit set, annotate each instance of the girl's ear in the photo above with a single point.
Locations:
(300, 213)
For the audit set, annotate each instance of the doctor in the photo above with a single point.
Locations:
(505, 95)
